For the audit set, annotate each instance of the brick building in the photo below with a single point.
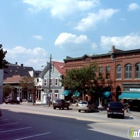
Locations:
(120, 70)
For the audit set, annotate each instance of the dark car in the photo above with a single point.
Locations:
(115, 109)
(11, 100)
(61, 104)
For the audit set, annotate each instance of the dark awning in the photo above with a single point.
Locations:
(76, 94)
(106, 94)
(66, 92)
(130, 95)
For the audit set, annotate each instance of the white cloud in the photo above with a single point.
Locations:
(61, 8)
(127, 42)
(66, 39)
(133, 7)
(29, 57)
(93, 46)
(38, 37)
(91, 20)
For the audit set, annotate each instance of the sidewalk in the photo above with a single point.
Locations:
(74, 107)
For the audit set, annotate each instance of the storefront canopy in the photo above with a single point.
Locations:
(130, 95)
(106, 94)
(76, 94)
(66, 92)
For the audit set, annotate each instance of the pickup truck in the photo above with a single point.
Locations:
(61, 104)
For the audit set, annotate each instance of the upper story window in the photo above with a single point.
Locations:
(137, 70)
(119, 72)
(56, 82)
(128, 71)
(100, 71)
(108, 72)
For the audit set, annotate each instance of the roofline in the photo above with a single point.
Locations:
(102, 55)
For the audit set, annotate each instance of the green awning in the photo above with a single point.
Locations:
(66, 92)
(130, 95)
(106, 94)
(76, 94)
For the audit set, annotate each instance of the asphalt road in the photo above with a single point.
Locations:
(21, 122)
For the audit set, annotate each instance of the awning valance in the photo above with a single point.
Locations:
(76, 94)
(66, 92)
(106, 94)
(130, 95)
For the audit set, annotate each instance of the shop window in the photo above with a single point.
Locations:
(119, 71)
(137, 70)
(128, 71)
(108, 72)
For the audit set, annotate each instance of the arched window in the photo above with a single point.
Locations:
(128, 71)
(119, 71)
(137, 70)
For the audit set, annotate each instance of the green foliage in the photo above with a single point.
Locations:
(27, 83)
(83, 79)
(3, 62)
(7, 89)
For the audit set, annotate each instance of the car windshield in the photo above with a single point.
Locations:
(83, 102)
(115, 105)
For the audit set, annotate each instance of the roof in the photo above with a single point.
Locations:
(14, 70)
(60, 66)
(115, 51)
(13, 79)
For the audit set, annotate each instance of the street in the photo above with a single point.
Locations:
(21, 122)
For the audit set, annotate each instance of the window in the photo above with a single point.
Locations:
(108, 72)
(137, 70)
(100, 71)
(56, 82)
(128, 71)
(119, 71)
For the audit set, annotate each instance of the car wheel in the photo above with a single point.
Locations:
(54, 107)
(122, 116)
(79, 110)
(6, 103)
(67, 107)
(108, 116)
(63, 108)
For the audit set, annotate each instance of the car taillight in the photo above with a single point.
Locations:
(107, 109)
(122, 109)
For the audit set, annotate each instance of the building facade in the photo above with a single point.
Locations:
(120, 70)
(49, 82)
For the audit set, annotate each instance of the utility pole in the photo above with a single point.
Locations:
(50, 67)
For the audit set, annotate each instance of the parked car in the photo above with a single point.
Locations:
(115, 109)
(0, 113)
(86, 106)
(11, 100)
(61, 104)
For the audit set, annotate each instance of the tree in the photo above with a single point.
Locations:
(84, 79)
(28, 85)
(7, 89)
(3, 62)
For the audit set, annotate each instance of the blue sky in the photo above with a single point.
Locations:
(31, 30)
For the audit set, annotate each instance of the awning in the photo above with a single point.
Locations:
(76, 94)
(106, 94)
(66, 92)
(130, 95)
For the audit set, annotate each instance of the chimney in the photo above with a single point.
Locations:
(16, 63)
(21, 65)
(113, 49)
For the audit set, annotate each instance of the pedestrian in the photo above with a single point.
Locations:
(128, 108)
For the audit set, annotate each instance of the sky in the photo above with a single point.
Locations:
(32, 30)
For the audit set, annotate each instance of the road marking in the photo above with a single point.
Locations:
(33, 136)
(16, 129)
(9, 124)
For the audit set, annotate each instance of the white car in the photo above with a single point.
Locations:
(85, 106)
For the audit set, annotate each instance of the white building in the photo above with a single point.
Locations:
(56, 87)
